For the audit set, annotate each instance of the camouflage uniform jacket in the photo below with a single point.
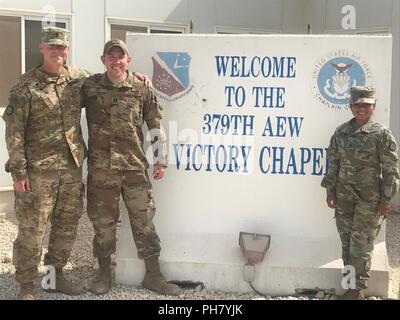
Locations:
(42, 132)
(364, 162)
(115, 116)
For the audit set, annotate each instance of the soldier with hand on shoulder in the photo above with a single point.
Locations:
(117, 106)
(46, 152)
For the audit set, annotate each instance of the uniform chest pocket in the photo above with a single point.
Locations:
(342, 147)
(96, 96)
(129, 109)
(96, 107)
(71, 97)
(366, 150)
(42, 106)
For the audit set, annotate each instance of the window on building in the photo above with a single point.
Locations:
(10, 55)
(118, 30)
(362, 31)
(165, 31)
(239, 30)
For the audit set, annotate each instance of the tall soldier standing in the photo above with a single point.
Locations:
(46, 152)
(362, 178)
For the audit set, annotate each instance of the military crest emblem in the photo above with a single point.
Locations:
(171, 73)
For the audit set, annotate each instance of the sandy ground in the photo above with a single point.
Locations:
(82, 267)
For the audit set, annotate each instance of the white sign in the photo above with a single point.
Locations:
(248, 121)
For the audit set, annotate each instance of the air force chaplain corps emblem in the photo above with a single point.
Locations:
(335, 74)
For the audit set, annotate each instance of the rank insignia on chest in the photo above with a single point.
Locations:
(114, 100)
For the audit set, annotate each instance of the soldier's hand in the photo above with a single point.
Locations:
(22, 185)
(158, 172)
(331, 201)
(145, 79)
(383, 208)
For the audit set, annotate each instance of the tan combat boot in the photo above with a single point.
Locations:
(352, 294)
(154, 280)
(65, 286)
(26, 291)
(103, 283)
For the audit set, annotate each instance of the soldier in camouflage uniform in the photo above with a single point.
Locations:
(46, 152)
(362, 178)
(117, 105)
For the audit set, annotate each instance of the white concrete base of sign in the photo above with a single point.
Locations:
(217, 261)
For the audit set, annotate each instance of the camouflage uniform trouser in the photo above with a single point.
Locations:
(55, 195)
(358, 224)
(104, 190)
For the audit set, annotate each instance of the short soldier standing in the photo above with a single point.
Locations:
(362, 178)
(46, 152)
(117, 106)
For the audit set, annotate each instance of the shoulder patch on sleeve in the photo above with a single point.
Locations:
(17, 100)
(9, 110)
(13, 100)
(392, 146)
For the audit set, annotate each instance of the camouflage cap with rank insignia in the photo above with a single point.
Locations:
(55, 36)
(361, 94)
(115, 43)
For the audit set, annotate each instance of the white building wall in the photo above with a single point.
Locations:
(202, 15)
(315, 15)
(165, 10)
(257, 14)
(369, 13)
(293, 16)
(88, 33)
(38, 5)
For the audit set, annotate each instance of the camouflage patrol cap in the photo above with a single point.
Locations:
(56, 36)
(115, 43)
(361, 94)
